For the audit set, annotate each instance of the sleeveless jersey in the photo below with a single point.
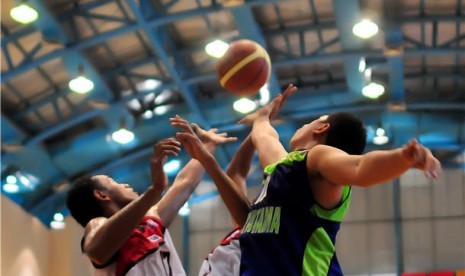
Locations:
(287, 232)
(148, 251)
(225, 259)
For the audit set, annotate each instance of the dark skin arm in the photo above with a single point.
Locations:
(104, 236)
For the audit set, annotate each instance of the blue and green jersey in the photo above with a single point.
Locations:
(287, 232)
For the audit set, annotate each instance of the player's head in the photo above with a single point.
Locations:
(340, 130)
(97, 196)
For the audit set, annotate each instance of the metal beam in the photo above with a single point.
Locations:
(395, 62)
(347, 13)
(164, 57)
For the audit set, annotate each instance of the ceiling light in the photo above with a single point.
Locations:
(216, 48)
(367, 73)
(162, 109)
(264, 94)
(365, 29)
(380, 140)
(244, 105)
(11, 179)
(163, 96)
(24, 14)
(58, 217)
(362, 65)
(148, 85)
(57, 225)
(122, 136)
(172, 166)
(81, 85)
(11, 188)
(148, 114)
(380, 131)
(373, 90)
(185, 210)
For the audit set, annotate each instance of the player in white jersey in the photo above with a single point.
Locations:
(125, 234)
(225, 259)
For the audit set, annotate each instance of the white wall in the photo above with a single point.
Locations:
(24, 242)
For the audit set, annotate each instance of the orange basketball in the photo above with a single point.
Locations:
(244, 68)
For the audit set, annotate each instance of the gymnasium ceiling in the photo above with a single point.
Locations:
(51, 135)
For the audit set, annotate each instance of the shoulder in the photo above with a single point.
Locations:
(320, 154)
(92, 226)
(94, 223)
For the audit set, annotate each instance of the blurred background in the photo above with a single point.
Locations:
(88, 87)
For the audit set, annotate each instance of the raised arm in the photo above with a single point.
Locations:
(104, 236)
(239, 167)
(189, 177)
(264, 137)
(235, 200)
(371, 168)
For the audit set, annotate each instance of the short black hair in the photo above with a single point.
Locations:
(81, 201)
(346, 133)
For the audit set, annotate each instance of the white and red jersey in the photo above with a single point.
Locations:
(225, 259)
(148, 251)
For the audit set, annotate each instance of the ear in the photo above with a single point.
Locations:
(101, 195)
(322, 129)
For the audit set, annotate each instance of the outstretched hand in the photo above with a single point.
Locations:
(422, 158)
(192, 145)
(160, 153)
(207, 137)
(270, 110)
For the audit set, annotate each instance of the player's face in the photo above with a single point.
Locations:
(120, 193)
(305, 135)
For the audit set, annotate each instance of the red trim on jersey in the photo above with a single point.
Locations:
(146, 238)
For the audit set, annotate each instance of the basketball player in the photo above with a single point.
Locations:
(125, 234)
(292, 226)
(224, 260)
(306, 192)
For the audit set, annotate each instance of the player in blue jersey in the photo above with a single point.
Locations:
(292, 226)
(125, 234)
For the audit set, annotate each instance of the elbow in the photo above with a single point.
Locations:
(98, 257)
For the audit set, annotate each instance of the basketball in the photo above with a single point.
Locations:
(244, 68)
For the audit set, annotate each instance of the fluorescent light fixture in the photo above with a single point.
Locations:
(172, 166)
(216, 48)
(11, 179)
(163, 96)
(373, 90)
(362, 65)
(81, 85)
(380, 140)
(147, 85)
(122, 136)
(264, 94)
(10, 188)
(185, 210)
(24, 14)
(57, 225)
(365, 29)
(134, 104)
(58, 217)
(148, 114)
(162, 109)
(244, 105)
(367, 74)
(380, 131)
